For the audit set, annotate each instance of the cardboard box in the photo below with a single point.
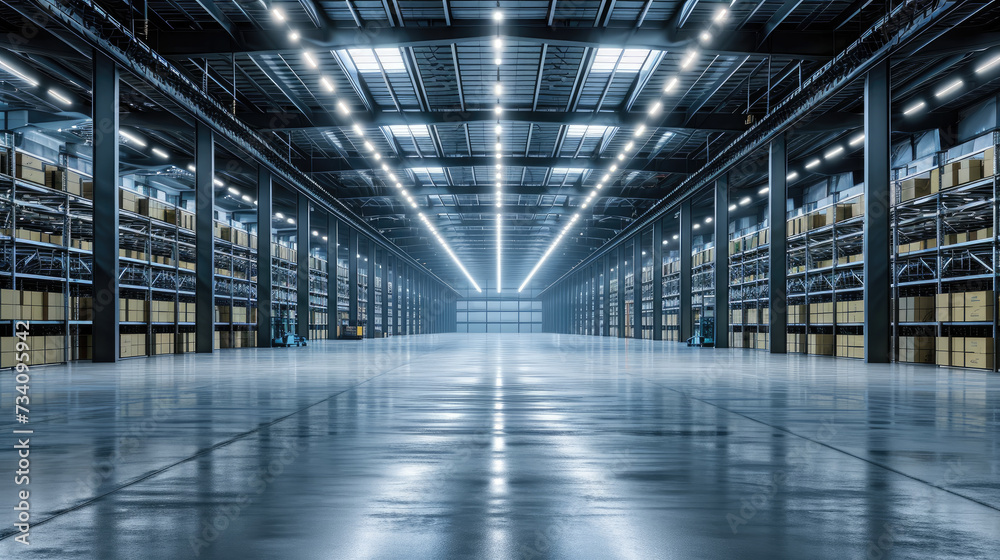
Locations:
(53, 178)
(970, 170)
(915, 188)
(988, 162)
(949, 176)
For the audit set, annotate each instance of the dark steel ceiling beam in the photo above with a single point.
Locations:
(327, 165)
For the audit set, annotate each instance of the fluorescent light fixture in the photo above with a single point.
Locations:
(498, 166)
(132, 138)
(192, 168)
(913, 109)
(599, 186)
(343, 108)
(310, 59)
(949, 88)
(357, 129)
(499, 249)
(497, 43)
(499, 155)
(857, 140)
(246, 198)
(688, 59)
(764, 190)
(499, 175)
(161, 153)
(498, 146)
(813, 163)
(705, 37)
(218, 182)
(834, 152)
(294, 36)
(744, 201)
(498, 89)
(664, 241)
(278, 14)
(498, 61)
(731, 208)
(671, 84)
(497, 15)
(499, 204)
(708, 220)
(368, 146)
(325, 238)
(498, 109)
(327, 84)
(59, 97)
(377, 156)
(399, 185)
(290, 220)
(232, 190)
(17, 73)
(989, 64)
(655, 108)
(638, 131)
(279, 215)
(315, 233)
(606, 177)
(498, 129)
(629, 146)
(621, 157)
(720, 15)
(792, 176)
(676, 236)
(696, 226)
(385, 167)
(613, 168)
(405, 193)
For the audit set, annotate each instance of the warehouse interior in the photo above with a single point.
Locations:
(561, 279)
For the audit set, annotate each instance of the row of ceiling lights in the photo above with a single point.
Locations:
(293, 35)
(498, 90)
(624, 156)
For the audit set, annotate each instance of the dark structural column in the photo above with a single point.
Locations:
(657, 257)
(352, 275)
(721, 222)
(264, 203)
(204, 175)
(777, 255)
(105, 317)
(877, 289)
(370, 305)
(685, 320)
(620, 271)
(637, 286)
(302, 241)
(332, 225)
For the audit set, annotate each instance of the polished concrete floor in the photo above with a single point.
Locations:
(506, 446)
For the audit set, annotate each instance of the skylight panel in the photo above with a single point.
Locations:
(629, 60)
(581, 130)
(417, 131)
(367, 60)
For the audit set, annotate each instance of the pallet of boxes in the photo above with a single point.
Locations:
(22, 305)
(916, 349)
(965, 307)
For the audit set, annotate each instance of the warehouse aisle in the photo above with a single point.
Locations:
(511, 446)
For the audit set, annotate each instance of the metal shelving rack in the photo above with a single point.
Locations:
(948, 267)
(748, 288)
(319, 320)
(284, 277)
(235, 288)
(343, 293)
(824, 266)
(703, 292)
(671, 307)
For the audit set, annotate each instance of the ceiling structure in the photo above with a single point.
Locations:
(579, 79)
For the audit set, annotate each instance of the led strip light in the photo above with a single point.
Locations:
(623, 157)
(327, 84)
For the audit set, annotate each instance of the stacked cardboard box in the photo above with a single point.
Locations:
(42, 349)
(964, 307)
(702, 257)
(155, 209)
(916, 188)
(916, 349)
(132, 345)
(222, 231)
(162, 311)
(128, 200)
(164, 343)
(185, 342)
(850, 346)
(796, 314)
(186, 265)
(32, 306)
(761, 342)
(795, 342)
(970, 170)
(32, 235)
(851, 311)
(965, 236)
(186, 312)
(223, 314)
(82, 244)
(847, 259)
(821, 313)
(735, 316)
(820, 344)
(29, 168)
(917, 246)
(53, 177)
(78, 185)
(988, 165)
(81, 308)
(133, 310)
(918, 309)
(185, 219)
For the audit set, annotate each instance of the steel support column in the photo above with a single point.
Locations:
(302, 241)
(685, 320)
(721, 223)
(264, 209)
(657, 257)
(777, 255)
(877, 235)
(204, 162)
(106, 340)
